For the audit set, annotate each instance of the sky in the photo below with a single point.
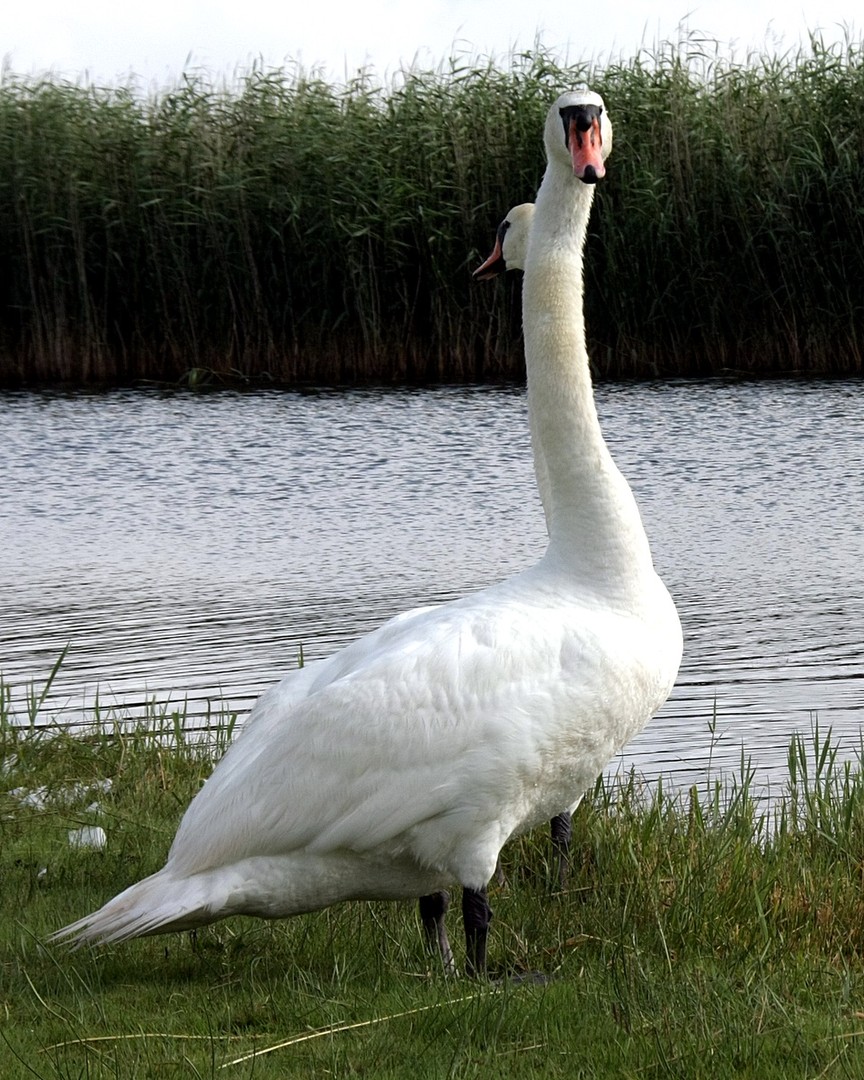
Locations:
(106, 41)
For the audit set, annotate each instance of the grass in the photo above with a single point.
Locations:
(703, 934)
(283, 229)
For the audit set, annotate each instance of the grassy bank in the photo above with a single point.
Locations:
(285, 229)
(697, 938)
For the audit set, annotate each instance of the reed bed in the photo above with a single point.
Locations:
(281, 228)
(703, 933)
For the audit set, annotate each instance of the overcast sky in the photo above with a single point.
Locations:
(156, 40)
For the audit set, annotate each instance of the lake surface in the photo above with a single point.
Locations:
(186, 546)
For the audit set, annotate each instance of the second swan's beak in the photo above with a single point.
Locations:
(496, 263)
(493, 266)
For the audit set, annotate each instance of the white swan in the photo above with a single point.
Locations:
(405, 761)
(509, 253)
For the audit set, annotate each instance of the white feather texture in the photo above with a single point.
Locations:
(404, 762)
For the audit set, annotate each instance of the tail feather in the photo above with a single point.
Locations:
(154, 905)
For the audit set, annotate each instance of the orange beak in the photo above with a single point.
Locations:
(493, 266)
(586, 151)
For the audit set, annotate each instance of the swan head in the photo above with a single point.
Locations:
(511, 243)
(578, 134)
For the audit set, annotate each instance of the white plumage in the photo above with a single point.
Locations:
(404, 762)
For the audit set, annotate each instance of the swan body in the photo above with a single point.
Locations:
(404, 762)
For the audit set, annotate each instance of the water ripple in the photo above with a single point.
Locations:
(187, 546)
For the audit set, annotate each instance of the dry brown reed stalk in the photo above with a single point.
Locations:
(318, 1033)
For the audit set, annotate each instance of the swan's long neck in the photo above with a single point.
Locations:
(594, 524)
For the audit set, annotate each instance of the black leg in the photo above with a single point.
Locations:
(477, 915)
(562, 830)
(433, 911)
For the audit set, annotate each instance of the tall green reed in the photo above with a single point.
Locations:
(287, 229)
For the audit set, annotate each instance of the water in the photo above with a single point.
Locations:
(187, 546)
